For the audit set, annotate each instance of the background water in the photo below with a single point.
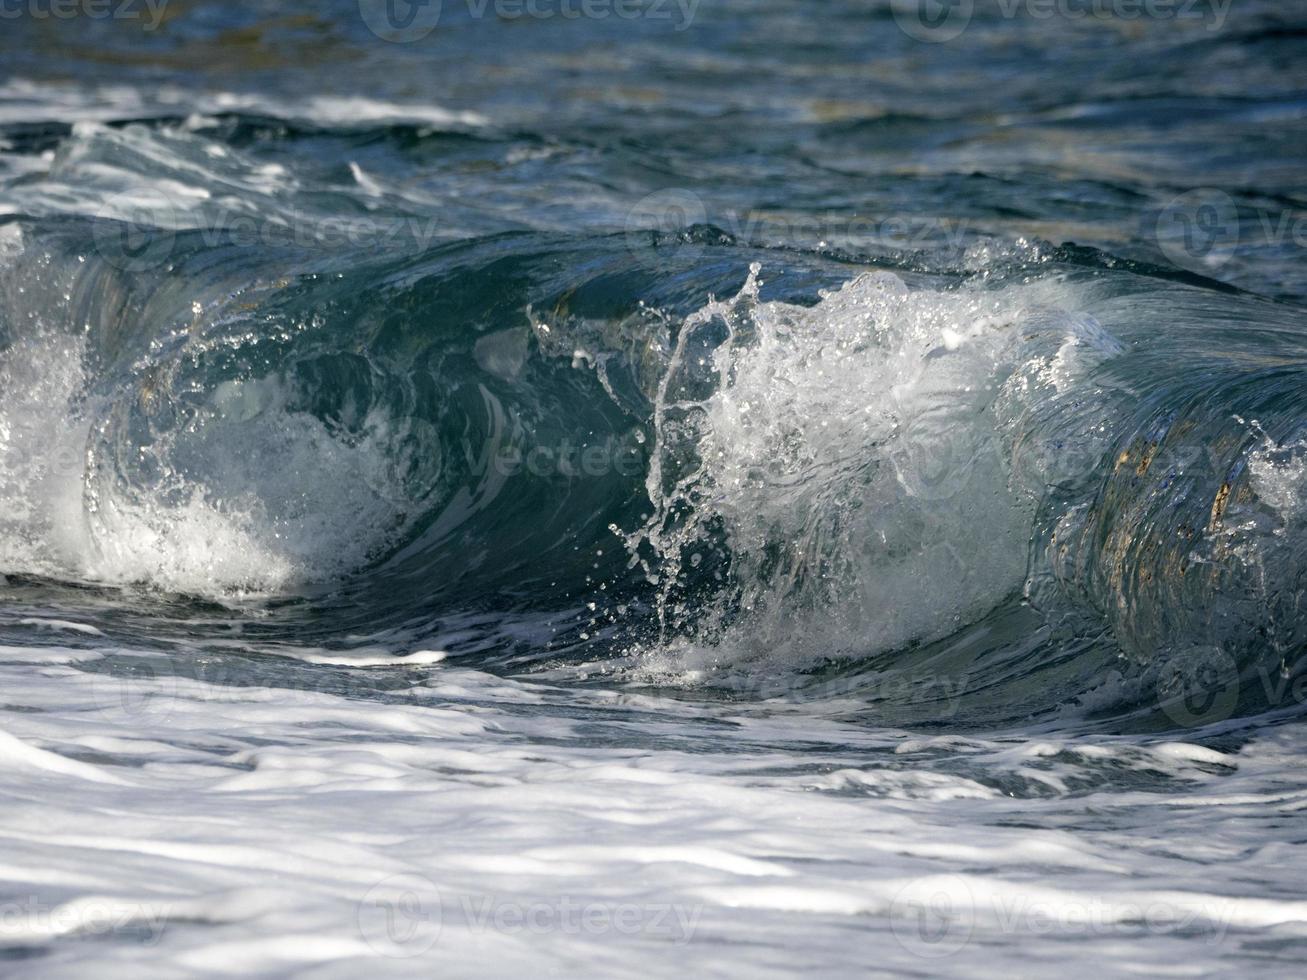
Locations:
(619, 488)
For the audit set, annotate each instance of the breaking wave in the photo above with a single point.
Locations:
(835, 463)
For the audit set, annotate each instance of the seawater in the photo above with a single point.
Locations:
(759, 489)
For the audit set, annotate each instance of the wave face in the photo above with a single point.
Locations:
(593, 384)
(835, 465)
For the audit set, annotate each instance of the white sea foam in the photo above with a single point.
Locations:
(23, 99)
(1279, 476)
(154, 825)
(247, 495)
(858, 455)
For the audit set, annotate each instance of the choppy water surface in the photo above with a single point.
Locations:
(739, 488)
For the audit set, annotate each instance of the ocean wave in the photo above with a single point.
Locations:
(841, 461)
